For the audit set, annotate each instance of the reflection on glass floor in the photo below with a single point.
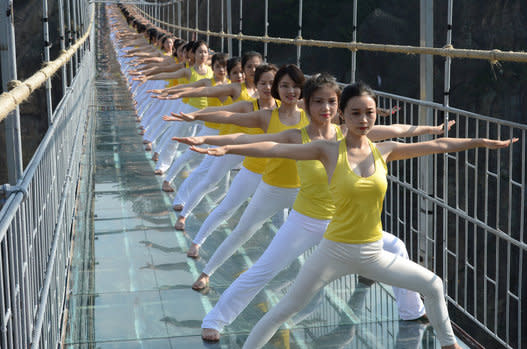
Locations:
(131, 278)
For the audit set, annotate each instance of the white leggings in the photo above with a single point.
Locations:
(218, 168)
(332, 260)
(266, 201)
(242, 187)
(188, 155)
(167, 148)
(298, 234)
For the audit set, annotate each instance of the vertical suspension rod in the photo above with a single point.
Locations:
(8, 64)
(222, 27)
(298, 47)
(266, 28)
(208, 22)
(62, 44)
(179, 18)
(240, 29)
(354, 52)
(47, 45)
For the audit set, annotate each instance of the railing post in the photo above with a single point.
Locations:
(188, 20)
(229, 27)
(179, 18)
(425, 180)
(8, 63)
(173, 16)
(197, 26)
(266, 27)
(354, 52)
(75, 29)
(240, 29)
(222, 26)
(69, 35)
(299, 47)
(47, 45)
(62, 44)
(208, 22)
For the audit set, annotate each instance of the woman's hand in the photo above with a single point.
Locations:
(497, 144)
(218, 151)
(190, 140)
(183, 116)
(440, 129)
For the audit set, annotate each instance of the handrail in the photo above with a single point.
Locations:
(448, 51)
(23, 89)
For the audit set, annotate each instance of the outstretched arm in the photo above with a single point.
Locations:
(309, 151)
(238, 107)
(292, 136)
(382, 132)
(259, 118)
(399, 151)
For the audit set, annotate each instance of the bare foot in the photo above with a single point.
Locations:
(177, 207)
(193, 251)
(142, 132)
(180, 224)
(201, 282)
(210, 335)
(148, 146)
(453, 346)
(158, 172)
(167, 187)
(155, 157)
(145, 141)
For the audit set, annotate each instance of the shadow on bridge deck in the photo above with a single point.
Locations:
(131, 278)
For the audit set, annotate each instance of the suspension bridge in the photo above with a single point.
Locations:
(89, 256)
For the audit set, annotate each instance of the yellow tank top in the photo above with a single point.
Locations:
(313, 199)
(199, 102)
(225, 128)
(256, 165)
(358, 200)
(214, 102)
(244, 96)
(183, 81)
(281, 172)
(173, 82)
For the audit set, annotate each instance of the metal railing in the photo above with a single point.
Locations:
(36, 221)
(461, 215)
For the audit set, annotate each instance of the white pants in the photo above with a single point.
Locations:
(218, 168)
(242, 187)
(266, 201)
(188, 155)
(332, 260)
(298, 234)
(167, 148)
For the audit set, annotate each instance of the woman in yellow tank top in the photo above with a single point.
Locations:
(237, 91)
(187, 186)
(356, 171)
(235, 73)
(166, 147)
(280, 182)
(312, 210)
(200, 70)
(264, 77)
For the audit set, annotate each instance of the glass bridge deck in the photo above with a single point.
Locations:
(130, 283)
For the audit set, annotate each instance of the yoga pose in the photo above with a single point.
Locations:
(313, 207)
(356, 172)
